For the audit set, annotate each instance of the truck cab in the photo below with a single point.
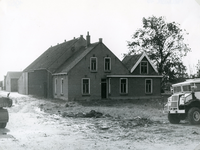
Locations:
(184, 102)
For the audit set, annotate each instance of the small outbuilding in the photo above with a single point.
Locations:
(11, 81)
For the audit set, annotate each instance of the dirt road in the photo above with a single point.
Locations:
(31, 127)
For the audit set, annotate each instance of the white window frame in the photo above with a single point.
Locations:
(62, 86)
(148, 92)
(82, 88)
(141, 67)
(91, 68)
(124, 92)
(105, 69)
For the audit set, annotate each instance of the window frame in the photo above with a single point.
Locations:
(105, 64)
(126, 90)
(82, 86)
(147, 67)
(91, 65)
(151, 90)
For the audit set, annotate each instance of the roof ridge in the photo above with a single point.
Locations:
(64, 42)
(62, 53)
(85, 52)
(79, 57)
(45, 59)
(14, 71)
(135, 54)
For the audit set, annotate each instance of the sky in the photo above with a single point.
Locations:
(30, 27)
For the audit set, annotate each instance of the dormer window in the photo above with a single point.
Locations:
(93, 64)
(107, 64)
(144, 67)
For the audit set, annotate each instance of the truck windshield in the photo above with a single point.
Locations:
(177, 89)
(186, 88)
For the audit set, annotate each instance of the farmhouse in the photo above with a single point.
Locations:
(142, 81)
(79, 69)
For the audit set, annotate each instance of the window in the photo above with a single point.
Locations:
(93, 64)
(62, 86)
(197, 87)
(85, 86)
(55, 85)
(148, 86)
(107, 64)
(144, 67)
(177, 89)
(186, 88)
(123, 85)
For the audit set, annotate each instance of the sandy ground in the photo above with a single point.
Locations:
(38, 124)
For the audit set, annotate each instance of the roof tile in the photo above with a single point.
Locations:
(53, 57)
(131, 60)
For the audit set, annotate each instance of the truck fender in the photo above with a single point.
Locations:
(192, 103)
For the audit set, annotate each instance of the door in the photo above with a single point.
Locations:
(103, 89)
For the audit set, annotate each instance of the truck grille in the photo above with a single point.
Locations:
(174, 102)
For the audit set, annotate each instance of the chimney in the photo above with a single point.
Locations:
(88, 39)
(100, 40)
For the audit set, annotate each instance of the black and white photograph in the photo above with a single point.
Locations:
(100, 75)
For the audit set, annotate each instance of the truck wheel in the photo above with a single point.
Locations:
(3, 125)
(173, 118)
(194, 115)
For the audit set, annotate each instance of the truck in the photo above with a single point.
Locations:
(4, 116)
(184, 103)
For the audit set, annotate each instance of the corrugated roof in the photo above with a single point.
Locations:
(54, 57)
(14, 74)
(131, 60)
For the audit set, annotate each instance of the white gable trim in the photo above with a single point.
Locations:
(138, 62)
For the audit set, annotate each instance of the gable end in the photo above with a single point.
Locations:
(139, 61)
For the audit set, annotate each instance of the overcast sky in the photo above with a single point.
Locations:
(29, 27)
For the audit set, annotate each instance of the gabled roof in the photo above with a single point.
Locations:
(15, 74)
(55, 56)
(132, 61)
(76, 58)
